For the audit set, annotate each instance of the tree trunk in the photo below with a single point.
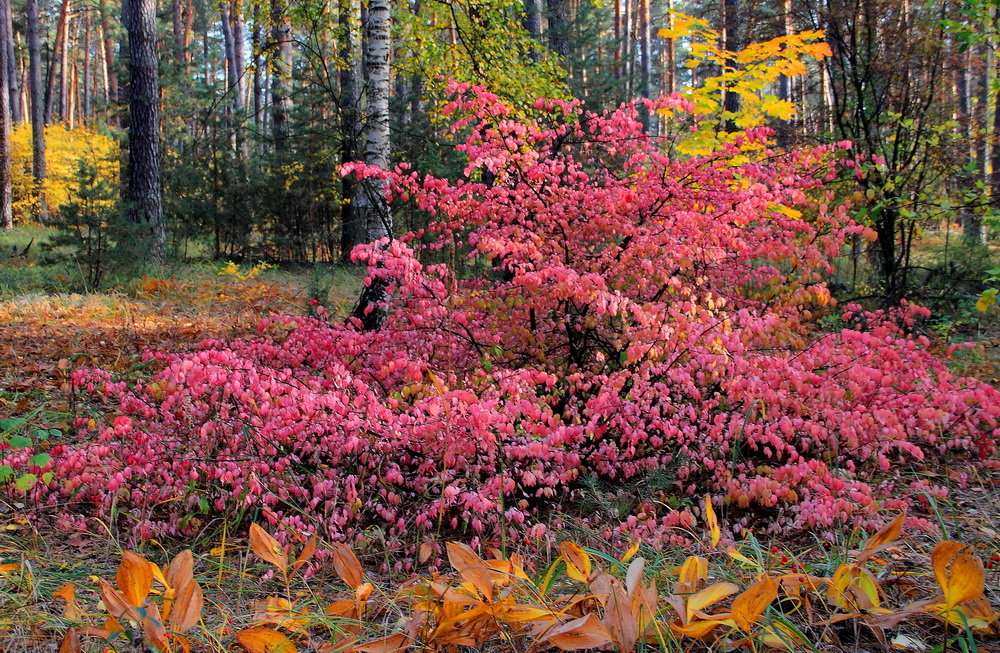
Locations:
(143, 170)
(352, 227)
(9, 54)
(645, 52)
(669, 55)
(558, 29)
(37, 106)
(233, 69)
(731, 42)
(6, 184)
(533, 25)
(281, 72)
(370, 197)
(56, 64)
(258, 81)
(785, 82)
(87, 108)
(109, 51)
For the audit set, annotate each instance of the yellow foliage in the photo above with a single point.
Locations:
(64, 149)
(749, 73)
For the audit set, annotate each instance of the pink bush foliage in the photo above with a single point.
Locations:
(630, 313)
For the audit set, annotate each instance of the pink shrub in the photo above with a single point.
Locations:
(634, 314)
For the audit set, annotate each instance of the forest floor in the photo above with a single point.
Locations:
(45, 335)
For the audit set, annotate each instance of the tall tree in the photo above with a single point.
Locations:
(6, 185)
(13, 87)
(142, 183)
(281, 73)
(353, 227)
(370, 202)
(37, 106)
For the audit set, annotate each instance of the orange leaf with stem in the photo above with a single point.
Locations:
(347, 565)
(585, 632)
(883, 538)
(472, 568)
(267, 548)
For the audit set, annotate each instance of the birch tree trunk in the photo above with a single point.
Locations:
(143, 170)
(370, 202)
(378, 44)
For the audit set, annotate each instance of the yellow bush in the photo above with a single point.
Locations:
(64, 148)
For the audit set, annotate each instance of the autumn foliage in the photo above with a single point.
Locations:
(619, 314)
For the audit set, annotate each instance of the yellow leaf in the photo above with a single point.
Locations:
(186, 610)
(736, 555)
(713, 522)
(692, 572)
(267, 548)
(632, 550)
(750, 605)
(710, 596)
(261, 639)
(959, 572)
(700, 629)
(472, 568)
(578, 565)
(781, 109)
(9, 568)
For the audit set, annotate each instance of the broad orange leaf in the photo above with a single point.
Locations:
(181, 569)
(347, 565)
(585, 632)
(578, 565)
(701, 628)
(959, 572)
(135, 578)
(261, 639)
(619, 618)
(750, 605)
(186, 610)
(152, 627)
(472, 568)
(267, 548)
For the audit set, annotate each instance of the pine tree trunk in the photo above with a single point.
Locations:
(258, 80)
(6, 184)
(143, 170)
(56, 64)
(12, 72)
(558, 28)
(533, 25)
(281, 71)
(87, 108)
(37, 106)
(109, 52)
(669, 55)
